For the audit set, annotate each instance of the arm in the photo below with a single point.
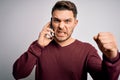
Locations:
(112, 66)
(111, 60)
(106, 69)
(24, 65)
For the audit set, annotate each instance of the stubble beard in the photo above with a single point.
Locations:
(62, 40)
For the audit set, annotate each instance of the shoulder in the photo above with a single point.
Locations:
(84, 45)
(80, 43)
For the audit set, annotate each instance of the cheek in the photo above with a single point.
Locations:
(71, 27)
(55, 29)
(55, 26)
(70, 30)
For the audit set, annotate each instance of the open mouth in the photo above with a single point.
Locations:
(61, 33)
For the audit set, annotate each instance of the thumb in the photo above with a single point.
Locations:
(96, 38)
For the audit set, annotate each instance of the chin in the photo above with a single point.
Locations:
(61, 39)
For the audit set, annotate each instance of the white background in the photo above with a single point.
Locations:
(22, 20)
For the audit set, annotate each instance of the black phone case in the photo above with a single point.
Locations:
(51, 27)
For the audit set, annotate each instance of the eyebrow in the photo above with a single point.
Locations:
(59, 19)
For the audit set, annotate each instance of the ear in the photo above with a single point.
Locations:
(76, 22)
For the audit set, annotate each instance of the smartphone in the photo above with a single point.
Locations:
(51, 33)
(51, 24)
(51, 28)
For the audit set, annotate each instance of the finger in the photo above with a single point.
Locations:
(46, 30)
(46, 34)
(108, 46)
(49, 34)
(50, 30)
(102, 36)
(106, 38)
(106, 41)
(47, 25)
(96, 38)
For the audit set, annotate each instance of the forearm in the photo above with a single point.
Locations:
(24, 65)
(112, 67)
(108, 69)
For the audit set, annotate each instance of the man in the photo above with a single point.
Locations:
(58, 56)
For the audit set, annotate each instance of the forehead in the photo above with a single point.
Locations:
(63, 14)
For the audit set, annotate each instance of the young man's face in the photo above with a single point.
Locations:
(63, 22)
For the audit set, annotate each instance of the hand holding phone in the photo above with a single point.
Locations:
(45, 36)
(51, 34)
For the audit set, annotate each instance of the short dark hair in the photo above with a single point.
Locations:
(65, 5)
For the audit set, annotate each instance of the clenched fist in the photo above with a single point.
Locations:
(107, 44)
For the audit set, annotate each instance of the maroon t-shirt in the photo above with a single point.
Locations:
(71, 62)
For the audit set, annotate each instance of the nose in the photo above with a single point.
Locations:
(61, 25)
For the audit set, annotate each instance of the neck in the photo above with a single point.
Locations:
(66, 42)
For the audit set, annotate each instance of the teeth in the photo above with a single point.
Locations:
(60, 32)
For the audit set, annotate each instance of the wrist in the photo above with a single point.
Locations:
(111, 54)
